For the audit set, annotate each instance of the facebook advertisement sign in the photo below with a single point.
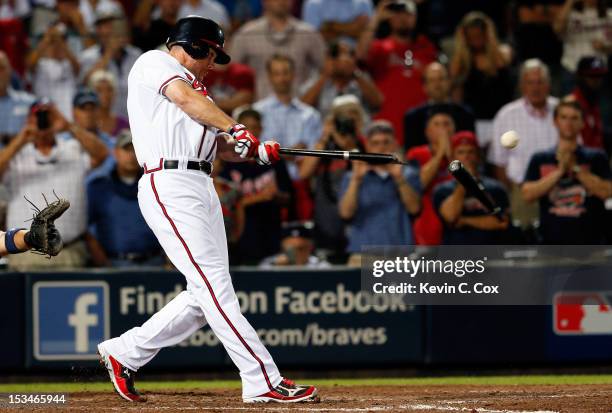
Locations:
(69, 319)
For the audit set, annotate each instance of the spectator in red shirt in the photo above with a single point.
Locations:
(589, 80)
(396, 62)
(231, 85)
(432, 160)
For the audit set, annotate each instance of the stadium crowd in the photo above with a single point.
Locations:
(428, 80)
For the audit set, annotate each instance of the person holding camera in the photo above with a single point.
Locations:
(341, 131)
(585, 27)
(341, 76)
(54, 69)
(38, 160)
(379, 200)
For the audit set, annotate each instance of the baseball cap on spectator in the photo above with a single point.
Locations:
(592, 66)
(402, 5)
(102, 75)
(108, 11)
(345, 100)
(124, 138)
(84, 96)
(464, 137)
(298, 229)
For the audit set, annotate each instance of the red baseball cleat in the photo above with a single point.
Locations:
(121, 377)
(287, 392)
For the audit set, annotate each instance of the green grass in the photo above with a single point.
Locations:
(235, 384)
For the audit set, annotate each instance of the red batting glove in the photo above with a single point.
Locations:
(267, 153)
(246, 143)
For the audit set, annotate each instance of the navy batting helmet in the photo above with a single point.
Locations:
(197, 35)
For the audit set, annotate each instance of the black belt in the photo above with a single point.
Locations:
(203, 166)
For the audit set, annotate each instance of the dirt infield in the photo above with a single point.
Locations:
(440, 398)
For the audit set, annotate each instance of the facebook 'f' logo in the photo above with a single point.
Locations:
(70, 318)
(81, 320)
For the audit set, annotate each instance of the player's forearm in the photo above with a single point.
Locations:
(534, 190)
(198, 107)
(601, 188)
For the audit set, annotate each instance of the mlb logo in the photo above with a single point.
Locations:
(69, 319)
(582, 313)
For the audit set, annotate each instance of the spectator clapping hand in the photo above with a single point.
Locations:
(441, 145)
(566, 159)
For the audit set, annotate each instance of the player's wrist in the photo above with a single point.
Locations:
(15, 242)
(235, 128)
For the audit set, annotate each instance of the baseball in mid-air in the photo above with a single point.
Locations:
(509, 139)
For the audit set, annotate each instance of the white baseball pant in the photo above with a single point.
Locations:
(183, 210)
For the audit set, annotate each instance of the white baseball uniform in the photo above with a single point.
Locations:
(183, 210)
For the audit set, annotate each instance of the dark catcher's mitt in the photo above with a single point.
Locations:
(43, 237)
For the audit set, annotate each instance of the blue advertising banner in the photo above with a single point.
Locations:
(303, 317)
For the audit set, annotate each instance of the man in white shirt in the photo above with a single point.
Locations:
(277, 32)
(35, 161)
(291, 122)
(531, 116)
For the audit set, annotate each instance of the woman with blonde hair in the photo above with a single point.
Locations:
(480, 66)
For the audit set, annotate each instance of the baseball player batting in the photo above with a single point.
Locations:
(177, 133)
